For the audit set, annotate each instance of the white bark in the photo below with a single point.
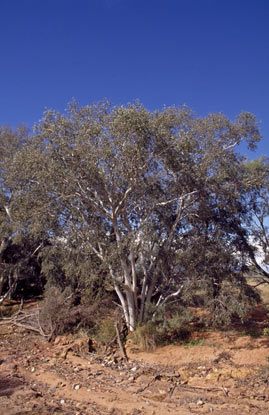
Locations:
(162, 301)
(124, 305)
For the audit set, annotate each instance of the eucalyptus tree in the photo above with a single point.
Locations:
(11, 141)
(133, 190)
(15, 249)
(256, 239)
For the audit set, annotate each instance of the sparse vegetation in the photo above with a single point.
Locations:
(190, 343)
(106, 333)
(266, 331)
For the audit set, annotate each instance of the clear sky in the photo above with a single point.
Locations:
(210, 54)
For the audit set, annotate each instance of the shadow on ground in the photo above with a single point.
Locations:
(8, 386)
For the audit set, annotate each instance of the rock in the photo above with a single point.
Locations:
(84, 344)
(53, 361)
(62, 340)
(76, 387)
(228, 373)
(184, 373)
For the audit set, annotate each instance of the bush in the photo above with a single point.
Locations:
(171, 324)
(147, 336)
(62, 312)
(234, 301)
(106, 333)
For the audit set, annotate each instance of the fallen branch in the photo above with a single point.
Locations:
(122, 349)
(28, 321)
(28, 327)
(174, 379)
(206, 388)
(157, 377)
(9, 291)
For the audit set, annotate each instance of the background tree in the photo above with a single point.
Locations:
(255, 239)
(17, 250)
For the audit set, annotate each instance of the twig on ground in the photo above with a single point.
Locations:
(174, 379)
(28, 321)
(157, 377)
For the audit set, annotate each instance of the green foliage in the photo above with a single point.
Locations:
(147, 336)
(15, 267)
(171, 324)
(106, 332)
(149, 205)
(233, 299)
(256, 178)
(191, 343)
(20, 268)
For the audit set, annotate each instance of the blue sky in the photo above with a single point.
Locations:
(212, 55)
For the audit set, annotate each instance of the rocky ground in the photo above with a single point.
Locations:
(217, 373)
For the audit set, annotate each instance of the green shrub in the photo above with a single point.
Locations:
(170, 324)
(147, 336)
(106, 332)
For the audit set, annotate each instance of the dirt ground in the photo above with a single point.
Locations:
(216, 373)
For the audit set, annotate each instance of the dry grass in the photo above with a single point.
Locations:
(264, 292)
(262, 289)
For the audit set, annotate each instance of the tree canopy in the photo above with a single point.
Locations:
(151, 203)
